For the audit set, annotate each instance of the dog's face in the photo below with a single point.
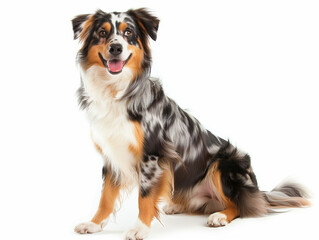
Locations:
(116, 41)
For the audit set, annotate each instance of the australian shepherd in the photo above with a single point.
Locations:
(147, 140)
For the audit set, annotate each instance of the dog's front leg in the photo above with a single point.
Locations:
(155, 182)
(109, 194)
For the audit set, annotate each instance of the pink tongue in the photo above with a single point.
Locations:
(116, 65)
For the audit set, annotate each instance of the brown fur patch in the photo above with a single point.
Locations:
(148, 205)
(139, 136)
(231, 210)
(108, 197)
(107, 26)
(122, 26)
(93, 55)
(147, 209)
(146, 46)
(216, 177)
(135, 62)
(86, 28)
(168, 179)
(231, 213)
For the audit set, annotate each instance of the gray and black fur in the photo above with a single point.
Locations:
(172, 133)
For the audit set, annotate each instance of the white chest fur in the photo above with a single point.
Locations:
(111, 129)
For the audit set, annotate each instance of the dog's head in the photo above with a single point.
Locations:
(117, 42)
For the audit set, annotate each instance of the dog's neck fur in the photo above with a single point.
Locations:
(98, 88)
(140, 95)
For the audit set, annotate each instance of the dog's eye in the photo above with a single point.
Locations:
(102, 33)
(128, 33)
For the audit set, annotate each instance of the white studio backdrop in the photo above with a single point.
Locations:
(248, 70)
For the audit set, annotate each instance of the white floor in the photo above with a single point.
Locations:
(56, 219)
(292, 224)
(295, 224)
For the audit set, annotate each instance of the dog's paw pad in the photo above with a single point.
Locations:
(88, 227)
(217, 220)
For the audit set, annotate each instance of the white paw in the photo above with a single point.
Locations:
(171, 209)
(88, 227)
(139, 232)
(217, 220)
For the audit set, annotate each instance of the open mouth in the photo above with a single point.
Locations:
(114, 66)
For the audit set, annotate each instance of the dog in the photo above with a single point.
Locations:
(147, 140)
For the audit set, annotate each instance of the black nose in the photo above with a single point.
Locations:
(115, 49)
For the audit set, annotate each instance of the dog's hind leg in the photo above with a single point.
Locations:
(231, 211)
(219, 219)
(232, 176)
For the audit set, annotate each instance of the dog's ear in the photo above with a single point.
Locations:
(79, 24)
(147, 22)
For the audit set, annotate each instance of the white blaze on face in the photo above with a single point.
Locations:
(117, 36)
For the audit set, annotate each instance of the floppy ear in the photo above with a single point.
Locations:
(147, 22)
(78, 24)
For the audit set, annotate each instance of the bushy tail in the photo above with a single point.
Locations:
(287, 195)
(239, 184)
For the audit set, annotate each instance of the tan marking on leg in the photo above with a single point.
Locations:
(147, 209)
(231, 210)
(109, 194)
(231, 213)
(148, 205)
